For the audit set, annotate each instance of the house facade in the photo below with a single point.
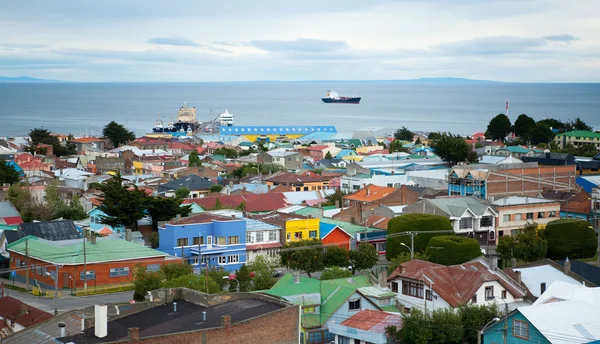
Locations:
(96, 222)
(262, 239)
(515, 212)
(307, 181)
(578, 138)
(291, 160)
(357, 182)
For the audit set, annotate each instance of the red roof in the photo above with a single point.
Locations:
(105, 231)
(253, 202)
(377, 221)
(21, 313)
(373, 321)
(87, 140)
(378, 151)
(371, 193)
(262, 246)
(286, 178)
(13, 220)
(478, 135)
(317, 148)
(456, 284)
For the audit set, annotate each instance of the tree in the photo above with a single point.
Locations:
(298, 257)
(336, 198)
(72, 211)
(154, 240)
(175, 270)
(8, 174)
(540, 134)
(328, 155)
(451, 148)
(117, 133)
(144, 281)
(194, 282)
(243, 278)
(263, 269)
(403, 134)
(42, 136)
(434, 135)
(336, 256)
(523, 126)
(194, 159)
(364, 258)
(498, 128)
(414, 223)
(474, 318)
(452, 249)
(123, 205)
(417, 328)
(216, 188)
(182, 193)
(229, 153)
(217, 276)
(579, 124)
(164, 209)
(21, 198)
(403, 258)
(448, 326)
(418, 141)
(218, 205)
(527, 246)
(335, 272)
(570, 238)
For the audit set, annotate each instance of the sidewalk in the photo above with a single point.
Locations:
(10, 283)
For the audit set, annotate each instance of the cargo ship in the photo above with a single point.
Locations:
(332, 97)
(186, 122)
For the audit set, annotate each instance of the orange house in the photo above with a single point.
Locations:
(335, 235)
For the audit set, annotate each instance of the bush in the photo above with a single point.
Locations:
(454, 249)
(174, 270)
(411, 223)
(570, 238)
(336, 256)
(194, 282)
(335, 272)
(144, 281)
(153, 239)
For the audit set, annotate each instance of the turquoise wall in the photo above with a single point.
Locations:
(493, 335)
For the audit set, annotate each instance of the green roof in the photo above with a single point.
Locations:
(333, 294)
(314, 212)
(350, 228)
(516, 149)
(218, 157)
(581, 133)
(70, 252)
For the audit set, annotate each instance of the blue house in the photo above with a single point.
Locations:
(96, 224)
(206, 240)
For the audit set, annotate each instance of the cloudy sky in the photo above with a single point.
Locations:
(202, 40)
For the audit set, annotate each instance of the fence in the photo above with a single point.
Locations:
(103, 289)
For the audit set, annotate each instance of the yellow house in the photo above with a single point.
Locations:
(138, 167)
(299, 229)
(368, 149)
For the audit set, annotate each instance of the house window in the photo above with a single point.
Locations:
(259, 237)
(249, 237)
(233, 259)
(540, 215)
(233, 240)
(343, 340)
(474, 299)
(486, 221)
(542, 287)
(518, 217)
(312, 234)
(354, 305)
(489, 292)
(315, 337)
(182, 242)
(390, 185)
(428, 294)
(222, 259)
(355, 187)
(465, 223)
(119, 272)
(395, 287)
(288, 236)
(520, 329)
(272, 235)
(491, 236)
(152, 267)
(297, 235)
(412, 289)
(221, 241)
(503, 294)
(198, 240)
(308, 309)
(552, 214)
(454, 193)
(381, 246)
(505, 218)
(91, 275)
(529, 216)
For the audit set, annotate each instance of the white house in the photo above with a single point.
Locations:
(73, 178)
(262, 239)
(538, 276)
(354, 183)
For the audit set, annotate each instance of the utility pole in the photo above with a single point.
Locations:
(412, 245)
(505, 329)
(26, 265)
(84, 264)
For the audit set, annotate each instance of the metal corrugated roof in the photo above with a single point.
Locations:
(272, 129)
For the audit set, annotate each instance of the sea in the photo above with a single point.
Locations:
(458, 107)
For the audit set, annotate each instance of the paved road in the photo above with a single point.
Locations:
(67, 303)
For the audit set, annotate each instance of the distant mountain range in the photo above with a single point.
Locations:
(23, 79)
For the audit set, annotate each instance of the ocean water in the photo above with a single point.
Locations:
(461, 108)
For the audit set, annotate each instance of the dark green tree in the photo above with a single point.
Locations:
(42, 136)
(527, 246)
(194, 282)
(579, 124)
(403, 134)
(365, 257)
(418, 141)
(303, 255)
(523, 126)
(434, 135)
(7, 173)
(182, 193)
(117, 134)
(540, 134)
(229, 153)
(451, 148)
(417, 328)
(73, 210)
(498, 128)
(217, 276)
(122, 204)
(570, 238)
(243, 278)
(555, 124)
(154, 239)
(334, 272)
(328, 155)
(336, 256)
(452, 249)
(216, 188)
(263, 269)
(414, 223)
(474, 318)
(174, 270)
(144, 281)
(164, 209)
(194, 159)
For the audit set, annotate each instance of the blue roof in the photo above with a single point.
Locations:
(318, 136)
(345, 152)
(271, 129)
(254, 225)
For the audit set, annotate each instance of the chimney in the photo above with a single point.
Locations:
(567, 266)
(128, 235)
(63, 330)
(518, 277)
(93, 239)
(382, 277)
(337, 203)
(494, 263)
(367, 190)
(296, 277)
(226, 321)
(244, 190)
(100, 326)
(513, 263)
(231, 183)
(23, 309)
(133, 334)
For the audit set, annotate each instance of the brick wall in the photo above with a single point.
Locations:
(530, 181)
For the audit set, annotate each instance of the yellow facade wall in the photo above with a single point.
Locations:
(138, 167)
(299, 229)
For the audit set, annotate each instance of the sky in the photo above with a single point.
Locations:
(241, 40)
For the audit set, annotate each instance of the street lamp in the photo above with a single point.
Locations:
(480, 332)
(55, 279)
(232, 278)
(505, 329)
(412, 256)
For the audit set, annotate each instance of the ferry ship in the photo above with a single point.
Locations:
(333, 97)
(225, 119)
(186, 122)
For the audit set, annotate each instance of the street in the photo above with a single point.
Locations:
(68, 302)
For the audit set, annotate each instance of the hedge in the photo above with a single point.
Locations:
(570, 238)
(455, 249)
(414, 223)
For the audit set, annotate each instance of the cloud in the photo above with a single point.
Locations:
(496, 45)
(173, 40)
(300, 45)
(564, 38)
(22, 45)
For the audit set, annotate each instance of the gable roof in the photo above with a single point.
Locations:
(373, 321)
(7, 209)
(584, 270)
(254, 203)
(287, 178)
(191, 182)
(456, 284)
(21, 313)
(456, 206)
(371, 193)
(51, 230)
